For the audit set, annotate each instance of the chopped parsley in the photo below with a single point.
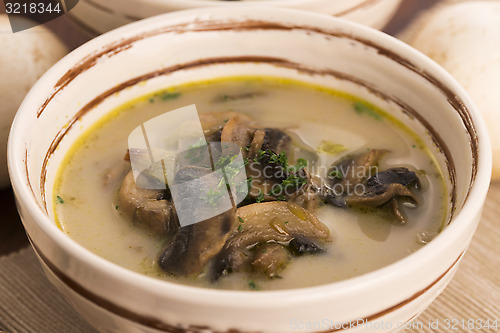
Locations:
(201, 142)
(169, 95)
(60, 200)
(301, 164)
(223, 160)
(281, 159)
(363, 109)
(240, 219)
(252, 285)
(260, 197)
(212, 197)
(292, 182)
(336, 174)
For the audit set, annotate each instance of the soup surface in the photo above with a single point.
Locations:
(327, 130)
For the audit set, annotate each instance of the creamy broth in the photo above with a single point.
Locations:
(360, 240)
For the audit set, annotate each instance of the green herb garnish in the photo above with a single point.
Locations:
(260, 196)
(169, 95)
(336, 174)
(363, 109)
(60, 200)
(252, 285)
(212, 196)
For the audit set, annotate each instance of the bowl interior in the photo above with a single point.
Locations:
(179, 48)
(362, 64)
(148, 56)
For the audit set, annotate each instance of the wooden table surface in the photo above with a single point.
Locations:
(12, 235)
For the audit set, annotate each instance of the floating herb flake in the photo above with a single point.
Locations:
(169, 95)
(260, 196)
(252, 285)
(363, 109)
(336, 174)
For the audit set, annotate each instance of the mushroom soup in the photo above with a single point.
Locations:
(291, 185)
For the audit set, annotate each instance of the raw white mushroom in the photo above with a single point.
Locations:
(24, 57)
(464, 37)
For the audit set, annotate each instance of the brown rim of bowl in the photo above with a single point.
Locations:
(114, 48)
(160, 325)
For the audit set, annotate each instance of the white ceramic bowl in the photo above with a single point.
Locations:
(97, 17)
(193, 45)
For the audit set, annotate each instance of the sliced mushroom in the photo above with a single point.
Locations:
(256, 144)
(355, 170)
(262, 223)
(352, 184)
(307, 195)
(272, 179)
(150, 208)
(270, 259)
(388, 187)
(399, 175)
(276, 221)
(262, 147)
(195, 244)
(237, 132)
(301, 245)
(213, 122)
(277, 141)
(349, 174)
